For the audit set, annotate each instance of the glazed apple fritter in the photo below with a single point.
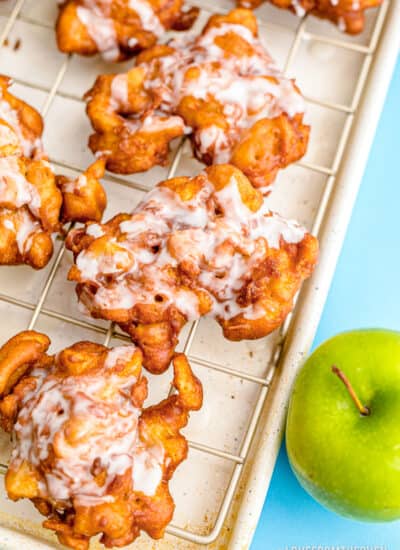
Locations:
(221, 88)
(118, 29)
(348, 15)
(86, 452)
(202, 246)
(33, 201)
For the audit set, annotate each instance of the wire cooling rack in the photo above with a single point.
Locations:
(207, 351)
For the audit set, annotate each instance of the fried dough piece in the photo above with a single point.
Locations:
(118, 29)
(23, 240)
(194, 246)
(221, 88)
(33, 202)
(86, 452)
(348, 15)
(84, 198)
(30, 201)
(26, 122)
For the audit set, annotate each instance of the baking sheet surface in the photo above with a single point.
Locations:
(200, 484)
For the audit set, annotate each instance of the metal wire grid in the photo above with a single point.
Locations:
(37, 308)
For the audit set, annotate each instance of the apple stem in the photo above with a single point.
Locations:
(340, 374)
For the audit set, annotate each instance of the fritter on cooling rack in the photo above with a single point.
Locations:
(347, 14)
(86, 452)
(33, 201)
(118, 29)
(194, 246)
(221, 88)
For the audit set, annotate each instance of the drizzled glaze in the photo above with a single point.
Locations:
(34, 202)
(16, 191)
(249, 87)
(100, 29)
(149, 20)
(214, 238)
(74, 185)
(299, 8)
(88, 424)
(23, 225)
(31, 148)
(96, 17)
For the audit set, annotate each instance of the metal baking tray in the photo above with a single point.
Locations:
(234, 440)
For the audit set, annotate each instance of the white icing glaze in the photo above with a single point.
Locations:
(23, 225)
(164, 233)
(9, 224)
(30, 147)
(20, 200)
(120, 354)
(87, 422)
(15, 189)
(72, 186)
(299, 8)
(119, 90)
(96, 17)
(26, 230)
(149, 20)
(147, 472)
(342, 24)
(94, 230)
(8, 137)
(249, 87)
(155, 123)
(100, 29)
(214, 136)
(16, 192)
(132, 42)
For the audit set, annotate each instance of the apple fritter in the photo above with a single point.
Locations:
(118, 29)
(33, 201)
(86, 451)
(348, 15)
(220, 88)
(202, 246)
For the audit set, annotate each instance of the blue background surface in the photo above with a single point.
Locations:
(365, 293)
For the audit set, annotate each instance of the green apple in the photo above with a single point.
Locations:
(343, 425)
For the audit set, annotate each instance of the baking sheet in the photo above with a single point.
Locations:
(235, 376)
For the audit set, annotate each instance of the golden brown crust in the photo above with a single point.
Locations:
(221, 88)
(269, 145)
(130, 151)
(30, 203)
(29, 120)
(18, 355)
(347, 14)
(194, 246)
(85, 199)
(33, 202)
(40, 249)
(118, 511)
(114, 28)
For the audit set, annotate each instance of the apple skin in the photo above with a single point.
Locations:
(348, 462)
